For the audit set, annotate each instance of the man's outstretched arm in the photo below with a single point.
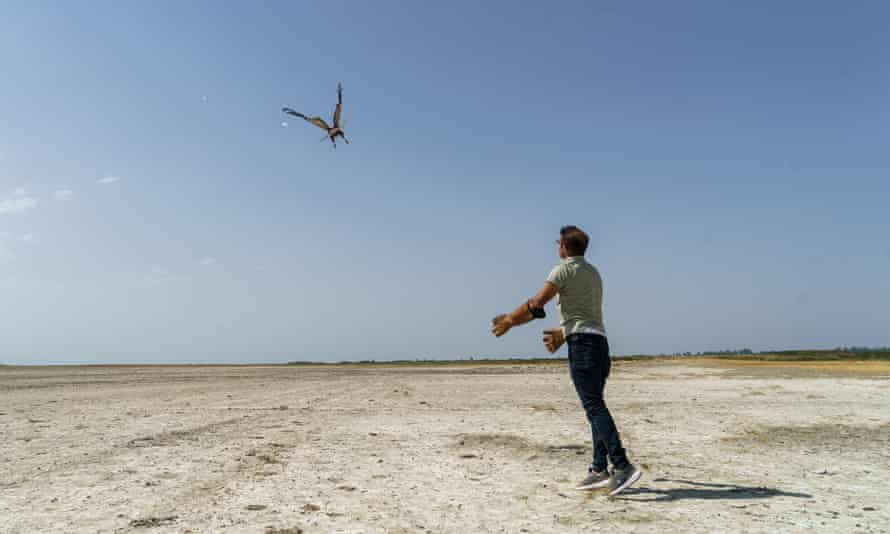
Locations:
(531, 309)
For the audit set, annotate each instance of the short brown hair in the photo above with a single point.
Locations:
(574, 239)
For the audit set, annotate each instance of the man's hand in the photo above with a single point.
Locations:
(527, 311)
(553, 339)
(500, 324)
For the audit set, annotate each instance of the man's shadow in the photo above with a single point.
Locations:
(706, 491)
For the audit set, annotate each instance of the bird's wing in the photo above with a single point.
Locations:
(289, 111)
(318, 121)
(339, 107)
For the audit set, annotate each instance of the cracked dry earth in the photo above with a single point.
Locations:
(726, 447)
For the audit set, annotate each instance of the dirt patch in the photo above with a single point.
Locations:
(513, 443)
(153, 522)
(173, 437)
(509, 441)
(823, 435)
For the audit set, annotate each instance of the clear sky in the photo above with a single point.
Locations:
(729, 159)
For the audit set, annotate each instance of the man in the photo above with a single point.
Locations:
(580, 291)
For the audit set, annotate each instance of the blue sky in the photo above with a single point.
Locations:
(729, 159)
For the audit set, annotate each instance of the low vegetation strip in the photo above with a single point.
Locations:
(777, 356)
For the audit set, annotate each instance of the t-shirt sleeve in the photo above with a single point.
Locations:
(558, 276)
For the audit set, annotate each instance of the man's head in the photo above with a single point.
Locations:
(572, 241)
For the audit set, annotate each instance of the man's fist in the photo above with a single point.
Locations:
(553, 339)
(500, 324)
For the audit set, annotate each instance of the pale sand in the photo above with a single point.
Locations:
(726, 448)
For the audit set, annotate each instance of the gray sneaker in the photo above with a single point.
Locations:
(623, 479)
(594, 480)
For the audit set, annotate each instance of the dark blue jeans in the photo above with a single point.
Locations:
(589, 364)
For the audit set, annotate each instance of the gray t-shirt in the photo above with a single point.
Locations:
(580, 300)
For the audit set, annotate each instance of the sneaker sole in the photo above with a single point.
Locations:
(631, 480)
(595, 485)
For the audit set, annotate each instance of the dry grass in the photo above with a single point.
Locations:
(793, 369)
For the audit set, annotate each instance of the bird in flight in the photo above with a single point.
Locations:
(333, 132)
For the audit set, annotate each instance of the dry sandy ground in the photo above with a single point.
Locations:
(727, 447)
